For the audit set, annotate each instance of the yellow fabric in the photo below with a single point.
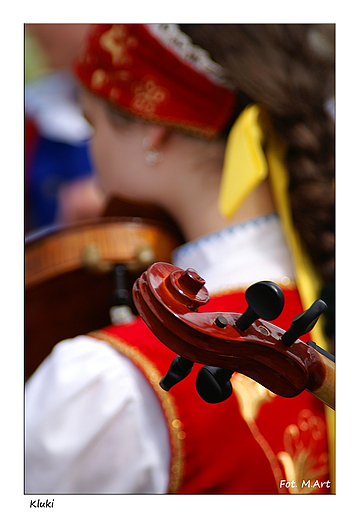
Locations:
(35, 63)
(307, 281)
(245, 166)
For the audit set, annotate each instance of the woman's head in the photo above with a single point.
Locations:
(280, 67)
(152, 163)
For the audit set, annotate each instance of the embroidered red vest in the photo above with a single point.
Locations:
(254, 442)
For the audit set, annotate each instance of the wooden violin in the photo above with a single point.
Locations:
(168, 299)
(74, 274)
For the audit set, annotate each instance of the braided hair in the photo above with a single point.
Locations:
(289, 70)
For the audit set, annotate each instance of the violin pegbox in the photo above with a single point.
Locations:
(265, 300)
(168, 299)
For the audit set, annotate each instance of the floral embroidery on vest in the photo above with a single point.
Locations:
(251, 396)
(302, 467)
(300, 463)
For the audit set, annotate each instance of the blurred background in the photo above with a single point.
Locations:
(60, 184)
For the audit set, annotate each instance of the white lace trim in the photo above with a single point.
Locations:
(182, 46)
(239, 255)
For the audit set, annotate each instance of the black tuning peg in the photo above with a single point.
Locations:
(178, 370)
(213, 384)
(121, 303)
(303, 322)
(265, 300)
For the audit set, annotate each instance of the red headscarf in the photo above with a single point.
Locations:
(155, 72)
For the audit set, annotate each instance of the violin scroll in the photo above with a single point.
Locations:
(168, 299)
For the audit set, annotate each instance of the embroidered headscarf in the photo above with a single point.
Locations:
(155, 72)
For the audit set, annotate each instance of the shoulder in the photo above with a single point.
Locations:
(90, 412)
(80, 367)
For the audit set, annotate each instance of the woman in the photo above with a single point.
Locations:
(184, 129)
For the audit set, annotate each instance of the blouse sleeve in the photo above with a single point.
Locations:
(93, 424)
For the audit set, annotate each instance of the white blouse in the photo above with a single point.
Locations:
(93, 424)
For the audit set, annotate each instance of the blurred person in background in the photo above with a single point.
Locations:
(227, 127)
(60, 186)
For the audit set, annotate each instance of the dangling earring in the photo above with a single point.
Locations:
(151, 155)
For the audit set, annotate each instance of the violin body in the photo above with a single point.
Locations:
(69, 273)
(168, 299)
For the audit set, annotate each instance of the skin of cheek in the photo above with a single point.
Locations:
(119, 159)
(117, 152)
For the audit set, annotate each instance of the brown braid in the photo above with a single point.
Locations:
(279, 67)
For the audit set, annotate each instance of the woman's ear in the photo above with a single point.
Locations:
(156, 136)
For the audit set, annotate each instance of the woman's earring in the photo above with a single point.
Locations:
(151, 155)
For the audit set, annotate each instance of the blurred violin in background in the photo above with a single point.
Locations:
(78, 277)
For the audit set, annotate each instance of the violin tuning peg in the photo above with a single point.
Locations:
(303, 322)
(213, 384)
(178, 370)
(121, 302)
(266, 301)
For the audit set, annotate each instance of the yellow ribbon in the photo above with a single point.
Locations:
(246, 164)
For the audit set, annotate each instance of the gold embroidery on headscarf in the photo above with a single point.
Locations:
(117, 42)
(99, 78)
(147, 95)
(175, 426)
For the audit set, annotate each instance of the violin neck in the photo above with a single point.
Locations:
(326, 392)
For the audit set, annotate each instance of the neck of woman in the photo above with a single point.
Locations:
(199, 216)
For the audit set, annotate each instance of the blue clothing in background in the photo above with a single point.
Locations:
(53, 165)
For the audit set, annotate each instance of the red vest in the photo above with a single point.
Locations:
(254, 442)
